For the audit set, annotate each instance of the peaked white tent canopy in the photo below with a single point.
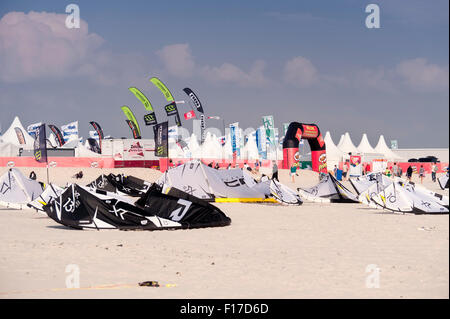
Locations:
(347, 145)
(364, 146)
(340, 141)
(385, 150)
(17, 135)
(333, 152)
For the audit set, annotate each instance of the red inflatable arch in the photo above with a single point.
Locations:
(310, 132)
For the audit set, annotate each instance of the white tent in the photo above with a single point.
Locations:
(364, 146)
(333, 152)
(16, 134)
(16, 190)
(9, 150)
(211, 147)
(347, 145)
(385, 150)
(340, 141)
(194, 147)
(251, 148)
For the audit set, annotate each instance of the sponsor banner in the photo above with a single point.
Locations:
(319, 161)
(40, 145)
(171, 109)
(58, 136)
(189, 115)
(310, 131)
(202, 127)
(355, 168)
(70, 131)
(234, 128)
(98, 129)
(161, 139)
(268, 123)
(194, 99)
(134, 129)
(130, 116)
(32, 128)
(141, 97)
(150, 119)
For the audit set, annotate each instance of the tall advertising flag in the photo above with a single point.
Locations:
(40, 145)
(130, 116)
(194, 99)
(32, 128)
(269, 126)
(70, 131)
(171, 109)
(202, 127)
(141, 97)
(58, 134)
(134, 130)
(234, 127)
(161, 131)
(20, 136)
(99, 131)
(172, 105)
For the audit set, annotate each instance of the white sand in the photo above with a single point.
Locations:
(269, 251)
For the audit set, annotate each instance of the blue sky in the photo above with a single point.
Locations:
(308, 61)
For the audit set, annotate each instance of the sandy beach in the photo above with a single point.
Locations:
(269, 251)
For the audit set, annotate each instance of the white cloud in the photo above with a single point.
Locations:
(228, 72)
(419, 74)
(300, 72)
(38, 44)
(177, 59)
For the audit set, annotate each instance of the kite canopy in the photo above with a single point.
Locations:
(82, 208)
(398, 195)
(16, 190)
(233, 185)
(443, 181)
(50, 192)
(329, 190)
(121, 184)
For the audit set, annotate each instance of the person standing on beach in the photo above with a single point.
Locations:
(394, 170)
(275, 171)
(434, 170)
(421, 174)
(345, 171)
(409, 173)
(293, 171)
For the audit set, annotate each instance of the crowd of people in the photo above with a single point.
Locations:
(392, 171)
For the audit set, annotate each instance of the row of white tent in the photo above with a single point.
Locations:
(336, 153)
(16, 138)
(10, 143)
